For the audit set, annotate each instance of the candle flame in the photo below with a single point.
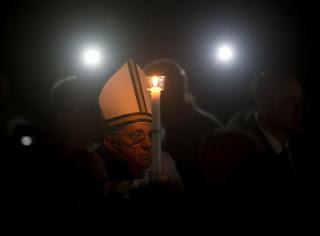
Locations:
(156, 82)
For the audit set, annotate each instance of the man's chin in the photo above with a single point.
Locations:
(294, 127)
(145, 159)
(142, 166)
(146, 163)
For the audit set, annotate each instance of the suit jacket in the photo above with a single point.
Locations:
(267, 172)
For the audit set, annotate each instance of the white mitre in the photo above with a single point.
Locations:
(124, 98)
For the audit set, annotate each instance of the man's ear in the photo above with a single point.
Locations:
(111, 144)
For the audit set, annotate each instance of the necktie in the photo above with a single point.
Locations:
(284, 154)
(285, 162)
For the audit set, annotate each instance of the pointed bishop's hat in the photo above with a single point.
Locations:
(124, 98)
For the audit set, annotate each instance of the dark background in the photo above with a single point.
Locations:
(41, 43)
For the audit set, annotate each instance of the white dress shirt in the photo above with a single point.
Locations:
(276, 145)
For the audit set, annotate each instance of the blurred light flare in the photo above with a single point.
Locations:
(26, 140)
(225, 53)
(92, 57)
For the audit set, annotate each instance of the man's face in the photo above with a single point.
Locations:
(285, 107)
(134, 145)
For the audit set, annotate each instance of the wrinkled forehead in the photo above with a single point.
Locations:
(139, 126)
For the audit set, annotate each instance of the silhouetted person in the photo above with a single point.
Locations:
(276, 117)
(23, 158)
(72, 115)
(222, 154)
(79, 172)
(185, 125)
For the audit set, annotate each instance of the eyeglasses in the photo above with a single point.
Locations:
(302, 101)
(136, 137)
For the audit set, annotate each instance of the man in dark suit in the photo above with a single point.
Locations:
(276, 118)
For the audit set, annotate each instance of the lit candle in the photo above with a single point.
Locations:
(155, 86)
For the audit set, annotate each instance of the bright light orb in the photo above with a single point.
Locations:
(92, 57)
(225, 53)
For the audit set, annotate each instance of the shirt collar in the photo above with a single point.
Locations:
(276, 145)
(147, 179)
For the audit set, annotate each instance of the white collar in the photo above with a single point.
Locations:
(147, 179)
(276, 145)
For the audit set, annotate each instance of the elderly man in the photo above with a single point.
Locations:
(126, 107)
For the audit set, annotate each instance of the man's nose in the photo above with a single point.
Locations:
(298, 107)
(146, 142)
